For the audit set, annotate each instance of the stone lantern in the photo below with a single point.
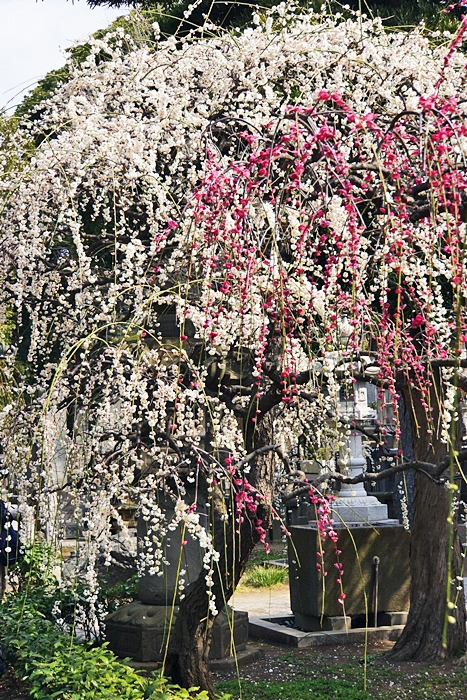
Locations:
(371, 550)
(354, 504)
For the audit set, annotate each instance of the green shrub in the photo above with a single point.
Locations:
(313, 689)
(265, 576)
(33, 575)
(58, 666)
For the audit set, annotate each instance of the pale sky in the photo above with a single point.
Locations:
(32, 35)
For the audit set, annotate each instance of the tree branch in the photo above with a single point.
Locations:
(264, 450)
(432, 471)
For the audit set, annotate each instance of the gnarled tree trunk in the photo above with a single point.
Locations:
(188, 657)
(422, 637)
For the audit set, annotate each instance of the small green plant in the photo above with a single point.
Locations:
(265, 576)
(162, 689)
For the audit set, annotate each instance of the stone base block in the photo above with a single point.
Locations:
(273, 630)
(390, 619)
(310, 623)
(230, 663)
(359, 510)
(358, 548)
(141, 632)
(138, 631)
(230, 632)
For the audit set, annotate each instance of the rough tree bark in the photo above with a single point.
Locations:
(188, 657)
(421, 639)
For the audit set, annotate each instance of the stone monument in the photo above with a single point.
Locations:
(141, 630)
(353, 503)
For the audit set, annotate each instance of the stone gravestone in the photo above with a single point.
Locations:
(187, 557)
(141, 630)
(374, 552)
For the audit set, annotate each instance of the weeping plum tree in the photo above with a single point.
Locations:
(202, 244)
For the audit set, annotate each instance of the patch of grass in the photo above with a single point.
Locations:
(315, 689)
(260, 556)
(265, 576)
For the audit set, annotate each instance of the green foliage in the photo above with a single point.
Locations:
(33, 575)
(58, 666)
(108, 600)
(45, 87)
(314, 689)
(265, 576)
(7, 325)
(400, 13)
(35, 568)
(162, 689)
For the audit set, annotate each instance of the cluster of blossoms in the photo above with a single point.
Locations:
(325, 524)
(193, 229)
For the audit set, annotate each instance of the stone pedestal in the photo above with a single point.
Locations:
(138, 631)
(311, 623)
(353, 504)
(364, 509)
(315, 603)
(142, 629)
(141, 632)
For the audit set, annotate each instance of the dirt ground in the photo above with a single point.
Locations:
(11, 688)
(391, 681)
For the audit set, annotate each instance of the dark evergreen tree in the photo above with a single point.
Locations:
(435, 13)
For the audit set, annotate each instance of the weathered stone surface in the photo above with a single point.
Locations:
(230, 631)
(241, 659)
(389, 619)
(141, 631)
(358, 546)
(188, 557)
(121, 567)
(360, 510)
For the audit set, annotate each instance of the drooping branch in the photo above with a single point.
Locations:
(431, 471)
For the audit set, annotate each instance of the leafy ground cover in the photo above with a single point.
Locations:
(317, 688)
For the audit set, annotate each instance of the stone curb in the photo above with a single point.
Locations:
(272, 631)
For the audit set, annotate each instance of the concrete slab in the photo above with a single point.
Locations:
(272, 631)
(267, 602)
